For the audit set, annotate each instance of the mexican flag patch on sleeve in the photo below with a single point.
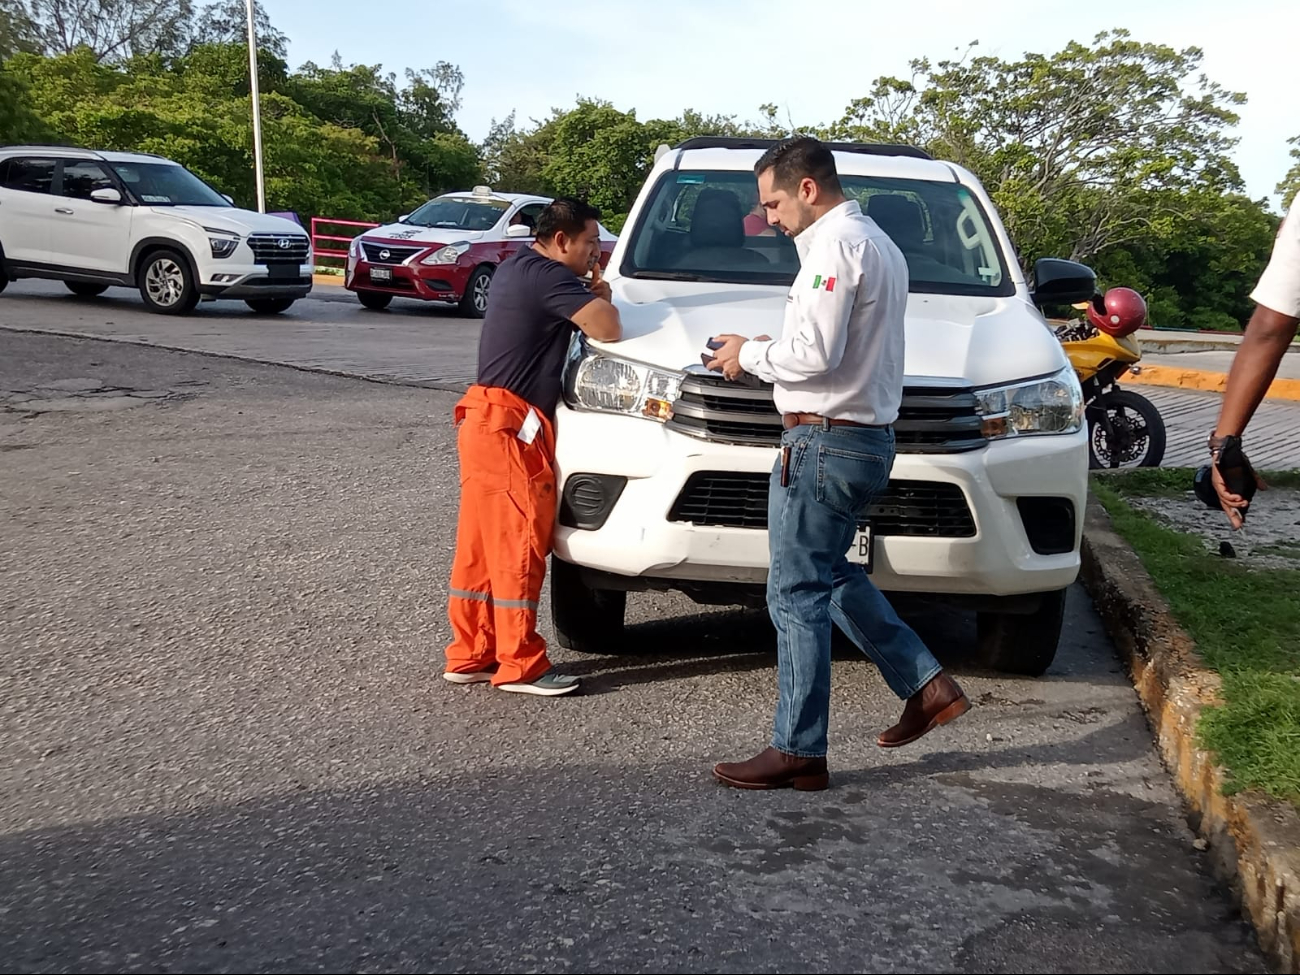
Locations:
(823, 284)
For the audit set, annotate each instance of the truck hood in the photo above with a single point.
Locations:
(242, 222)
(971, 341)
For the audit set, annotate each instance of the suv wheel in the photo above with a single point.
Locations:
(166, 283)
(84, 289)
(270, 306)
(586, 620)
(4, 279)
(375, 300)
(1022, 643)
(474, 303)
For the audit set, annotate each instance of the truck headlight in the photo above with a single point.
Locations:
(595, 381)
(1041, 406)
(447, 255)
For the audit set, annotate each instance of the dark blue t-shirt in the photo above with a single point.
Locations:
(527, 327)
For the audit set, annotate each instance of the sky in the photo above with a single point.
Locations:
(730, 56)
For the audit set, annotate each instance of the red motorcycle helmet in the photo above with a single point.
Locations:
(1119, 312)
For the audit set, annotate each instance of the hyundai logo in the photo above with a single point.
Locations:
(385, 254)
(285, 243)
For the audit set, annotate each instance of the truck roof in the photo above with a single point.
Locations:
(851, 158)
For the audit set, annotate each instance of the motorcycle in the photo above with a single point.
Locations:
(1124, 427)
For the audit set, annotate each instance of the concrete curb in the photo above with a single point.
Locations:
(1214, 382)
(1254, 841)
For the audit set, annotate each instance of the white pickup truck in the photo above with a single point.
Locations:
(663, 466)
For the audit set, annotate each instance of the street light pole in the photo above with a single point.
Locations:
(257, 107)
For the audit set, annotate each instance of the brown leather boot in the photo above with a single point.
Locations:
(938, 702)
(771, 769)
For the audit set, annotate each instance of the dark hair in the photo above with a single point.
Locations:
(565, 215)
(794, 160)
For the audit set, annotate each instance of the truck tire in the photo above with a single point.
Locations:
(1022, 643)
(586, 620)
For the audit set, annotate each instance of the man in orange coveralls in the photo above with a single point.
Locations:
(506, 443)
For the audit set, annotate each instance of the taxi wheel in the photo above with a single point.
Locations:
(474, 303)
(374, 300)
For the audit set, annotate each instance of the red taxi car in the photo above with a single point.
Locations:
(447, 249)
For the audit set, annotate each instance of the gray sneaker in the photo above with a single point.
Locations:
(549, 684)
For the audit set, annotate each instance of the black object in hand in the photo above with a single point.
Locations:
(1234, 467)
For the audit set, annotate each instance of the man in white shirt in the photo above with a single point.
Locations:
(1268, 336)
(838, 375)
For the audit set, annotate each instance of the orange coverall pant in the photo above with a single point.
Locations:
(503, 537)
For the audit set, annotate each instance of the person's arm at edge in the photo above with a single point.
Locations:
(598, 318)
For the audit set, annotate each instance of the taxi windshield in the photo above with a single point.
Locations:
(459, 213)
(705, 225)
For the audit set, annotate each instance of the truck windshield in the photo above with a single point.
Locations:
(707, 225)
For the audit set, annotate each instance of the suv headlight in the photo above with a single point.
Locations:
(606, 384)
(222, 242)
(447, 255)
(1041, 406)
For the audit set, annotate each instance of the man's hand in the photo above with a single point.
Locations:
(1232, 504)
(726, 359)
(599, 286)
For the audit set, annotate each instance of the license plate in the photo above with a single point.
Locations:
(282, 272)
(381, 274)
(863, 548)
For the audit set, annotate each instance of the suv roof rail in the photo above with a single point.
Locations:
(96, 153)
(866, 148)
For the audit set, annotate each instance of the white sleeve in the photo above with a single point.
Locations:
(823, 296)
(1279, 285)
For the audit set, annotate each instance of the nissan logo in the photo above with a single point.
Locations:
(285, 243)
(385, 254)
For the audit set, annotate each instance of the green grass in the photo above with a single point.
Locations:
(1246, 624)
(1172, 482)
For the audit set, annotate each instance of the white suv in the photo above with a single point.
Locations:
(99, 219)
(664, 465)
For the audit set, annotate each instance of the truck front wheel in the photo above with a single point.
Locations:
(1022, 643)
(587, 620)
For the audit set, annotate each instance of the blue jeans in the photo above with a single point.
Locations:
(834, 473)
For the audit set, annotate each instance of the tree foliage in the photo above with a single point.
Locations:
(1290, 184)
(1114, 152)
(1096, 146)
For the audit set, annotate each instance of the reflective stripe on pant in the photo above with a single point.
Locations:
(507, 517)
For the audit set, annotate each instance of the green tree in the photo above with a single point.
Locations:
(17, 32)
(113, 30)
(1290, 184)
(226, 22)
(1091, 148)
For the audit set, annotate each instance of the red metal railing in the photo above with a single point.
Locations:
(329, 252)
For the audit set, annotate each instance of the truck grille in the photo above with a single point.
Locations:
(931, 419)
(387, 253)
(933, 509)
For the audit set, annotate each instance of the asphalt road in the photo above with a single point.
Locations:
(428, 345)
(225, 747)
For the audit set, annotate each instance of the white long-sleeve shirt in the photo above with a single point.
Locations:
(840, 353)
(1279, 286)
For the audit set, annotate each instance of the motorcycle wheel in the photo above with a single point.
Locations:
(1136, 435)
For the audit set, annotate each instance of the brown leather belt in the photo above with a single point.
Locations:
(791, 420)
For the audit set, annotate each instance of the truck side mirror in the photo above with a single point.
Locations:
(1058, 282)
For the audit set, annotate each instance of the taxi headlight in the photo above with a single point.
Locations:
(606, 384)
(1041, 406)
(447, 255)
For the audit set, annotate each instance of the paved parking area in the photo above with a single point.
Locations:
(428, 345)
(224, 745)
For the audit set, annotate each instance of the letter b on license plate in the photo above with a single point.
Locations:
(862, 548)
